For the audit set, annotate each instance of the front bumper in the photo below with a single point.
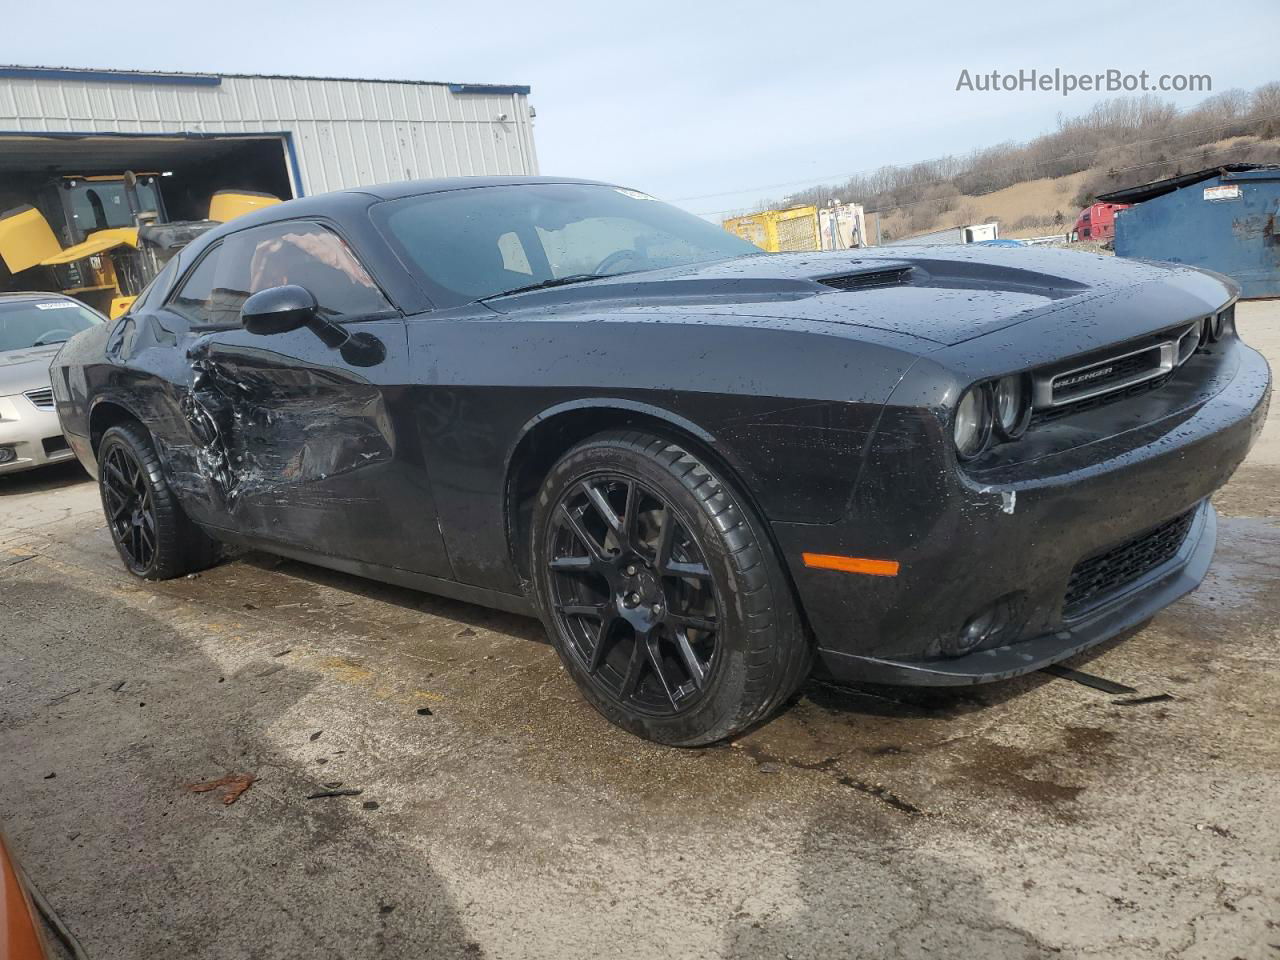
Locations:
(1012, 538)
(30, 437)
(1136, 603)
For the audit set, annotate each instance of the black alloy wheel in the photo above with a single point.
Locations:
(632, 589)
(154, 537)
(130, 511)
(662, 593)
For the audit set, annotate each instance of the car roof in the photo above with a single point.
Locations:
(29, 295)
(413, 188)
(357, 198)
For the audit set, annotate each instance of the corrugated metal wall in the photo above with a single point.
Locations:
(345, 133)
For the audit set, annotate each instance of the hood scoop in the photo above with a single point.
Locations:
(866, 279)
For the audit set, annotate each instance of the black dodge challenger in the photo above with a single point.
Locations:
(705, 467)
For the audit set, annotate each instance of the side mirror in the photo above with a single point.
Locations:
(278, 310)
(291, 307)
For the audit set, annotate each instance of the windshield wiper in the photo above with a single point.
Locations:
(553, 282)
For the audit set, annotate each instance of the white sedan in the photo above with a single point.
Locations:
(33, 327)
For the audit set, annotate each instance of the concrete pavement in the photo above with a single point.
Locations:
(501, 817)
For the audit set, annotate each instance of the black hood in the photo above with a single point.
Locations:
(945, 295)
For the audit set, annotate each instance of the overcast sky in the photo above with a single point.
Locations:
(711, 104)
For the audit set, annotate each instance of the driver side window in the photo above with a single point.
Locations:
(306, 254)
(193, 300)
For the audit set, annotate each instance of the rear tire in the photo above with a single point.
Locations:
(152, 534)
(662, 593)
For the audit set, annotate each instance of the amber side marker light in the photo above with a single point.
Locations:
(827, 561)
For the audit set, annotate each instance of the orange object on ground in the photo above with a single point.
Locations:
(20, 937)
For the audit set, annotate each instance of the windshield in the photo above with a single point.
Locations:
(37, 323)
(469, 244)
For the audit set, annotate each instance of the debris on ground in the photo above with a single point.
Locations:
(1139, 701)
(117, 687)
(1087, 679)
(1214, 828)
(344, 792)
(370, 804)
(316, 736)
(425, 712)
(235, 784)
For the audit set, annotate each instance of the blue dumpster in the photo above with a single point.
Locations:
(1223, 219)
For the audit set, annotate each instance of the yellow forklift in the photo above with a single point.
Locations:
(115, 235)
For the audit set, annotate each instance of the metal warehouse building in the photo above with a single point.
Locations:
(1224, 218)
(289, 136)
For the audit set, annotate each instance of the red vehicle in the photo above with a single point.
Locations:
(1097, 222)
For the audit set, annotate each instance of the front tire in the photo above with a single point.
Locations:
(154, 538)
(661, 592)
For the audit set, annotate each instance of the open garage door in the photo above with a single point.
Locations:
(184, 170)
(196, 165)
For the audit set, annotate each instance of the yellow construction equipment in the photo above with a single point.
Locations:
(119, 236)
(26, 239)
(229, 204)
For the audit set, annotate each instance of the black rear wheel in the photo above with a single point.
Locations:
(130, 510)
(661, 594)
(154, 538)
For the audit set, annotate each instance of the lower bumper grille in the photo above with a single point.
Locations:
(1105, 573)
(54, 445)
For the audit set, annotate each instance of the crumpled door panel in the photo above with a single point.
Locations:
(282, 433)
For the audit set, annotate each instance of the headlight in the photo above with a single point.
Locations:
(9, 409)
(973, 422)
(1012, 406)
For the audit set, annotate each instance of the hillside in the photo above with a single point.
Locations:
(1031, 208)
(1015, 207)
(1118, 143)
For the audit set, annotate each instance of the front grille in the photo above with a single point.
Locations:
(1105, 573)
(43, 398)
(1050, 414)
(1100, 377)
(1128, 371)
(870, 278)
